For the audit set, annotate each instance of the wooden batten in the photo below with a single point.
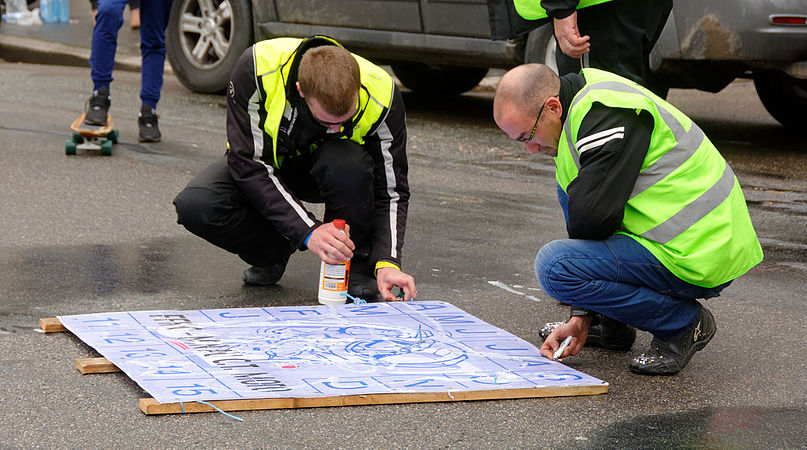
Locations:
(150, 406)
(51, 325)
(95, 365)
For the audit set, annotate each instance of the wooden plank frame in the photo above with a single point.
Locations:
(149, 406)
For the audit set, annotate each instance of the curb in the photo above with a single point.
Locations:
(34, 51)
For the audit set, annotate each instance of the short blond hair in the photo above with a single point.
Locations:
(331, 75)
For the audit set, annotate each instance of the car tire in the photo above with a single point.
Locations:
(441, 81)
(204, 46)
(784, 97)
(541, 47)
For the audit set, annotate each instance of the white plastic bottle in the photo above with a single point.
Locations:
(333, 278)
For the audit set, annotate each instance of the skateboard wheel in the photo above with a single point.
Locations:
(113, 136)
(69, 147)
(78, 138)
(106, 148)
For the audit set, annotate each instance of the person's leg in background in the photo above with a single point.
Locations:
(134, 14)
(108, 21)
(154, 19)
(623, 32)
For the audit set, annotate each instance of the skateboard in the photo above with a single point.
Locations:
(91, 137)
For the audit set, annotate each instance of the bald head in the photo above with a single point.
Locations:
(523, 89)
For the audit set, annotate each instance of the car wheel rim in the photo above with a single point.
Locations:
(549, 55)
(206, 31)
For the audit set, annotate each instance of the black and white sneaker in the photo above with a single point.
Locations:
(147, 123)
(669, 357)
(97, 107)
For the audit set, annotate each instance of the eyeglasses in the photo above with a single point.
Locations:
(330, 124)
(535, 127)
(354, 118)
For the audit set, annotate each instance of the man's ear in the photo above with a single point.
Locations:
(297, 84)
(555, 106)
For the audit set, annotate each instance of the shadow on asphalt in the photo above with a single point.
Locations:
(708, 428)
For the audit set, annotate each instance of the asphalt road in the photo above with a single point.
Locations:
(86, 233)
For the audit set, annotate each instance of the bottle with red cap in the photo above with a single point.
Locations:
(333, 277)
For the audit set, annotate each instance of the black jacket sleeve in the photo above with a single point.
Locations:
(559, 9)
(613, 143)
(387, 146)
(249, 148)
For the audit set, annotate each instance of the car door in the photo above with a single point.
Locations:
(389, 15)
(466, 18)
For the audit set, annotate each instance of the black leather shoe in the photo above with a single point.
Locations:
(610, 334)
(264, 275)
(669, 357)
(362, 286)
(603, 332)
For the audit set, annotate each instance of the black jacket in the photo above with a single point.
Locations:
(616, 141)
(253, 171)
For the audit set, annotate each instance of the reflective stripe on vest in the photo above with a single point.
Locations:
(688, 144)
(682, 171)
(532, 10)
(272, 66)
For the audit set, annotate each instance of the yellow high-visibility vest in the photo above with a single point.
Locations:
(687, 207)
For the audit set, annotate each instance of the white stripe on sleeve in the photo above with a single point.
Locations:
(386, 142)
(601, 142)
(599, 135)
(598, 139)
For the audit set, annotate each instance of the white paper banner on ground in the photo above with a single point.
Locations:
(316, 351)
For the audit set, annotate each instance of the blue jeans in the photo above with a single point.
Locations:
(153, 20)
(620, 279)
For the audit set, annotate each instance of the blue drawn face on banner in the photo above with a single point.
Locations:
(367, 345)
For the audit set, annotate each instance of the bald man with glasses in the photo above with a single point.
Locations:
(655, 217)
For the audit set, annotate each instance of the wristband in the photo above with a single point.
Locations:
(382, 264)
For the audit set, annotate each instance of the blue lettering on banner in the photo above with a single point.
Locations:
(465, 331)
(452, 319)
(560, 377)
(365, 310)
(114, 338)
(190, 391)
(535, 363)
(425, 383)
(102, 323)
(358, 384)
(170, 372)
(108, 319)
(421, 307)
(303, 312)
(229, 315)
(505, 349)
(487, 379)
(143, 353)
